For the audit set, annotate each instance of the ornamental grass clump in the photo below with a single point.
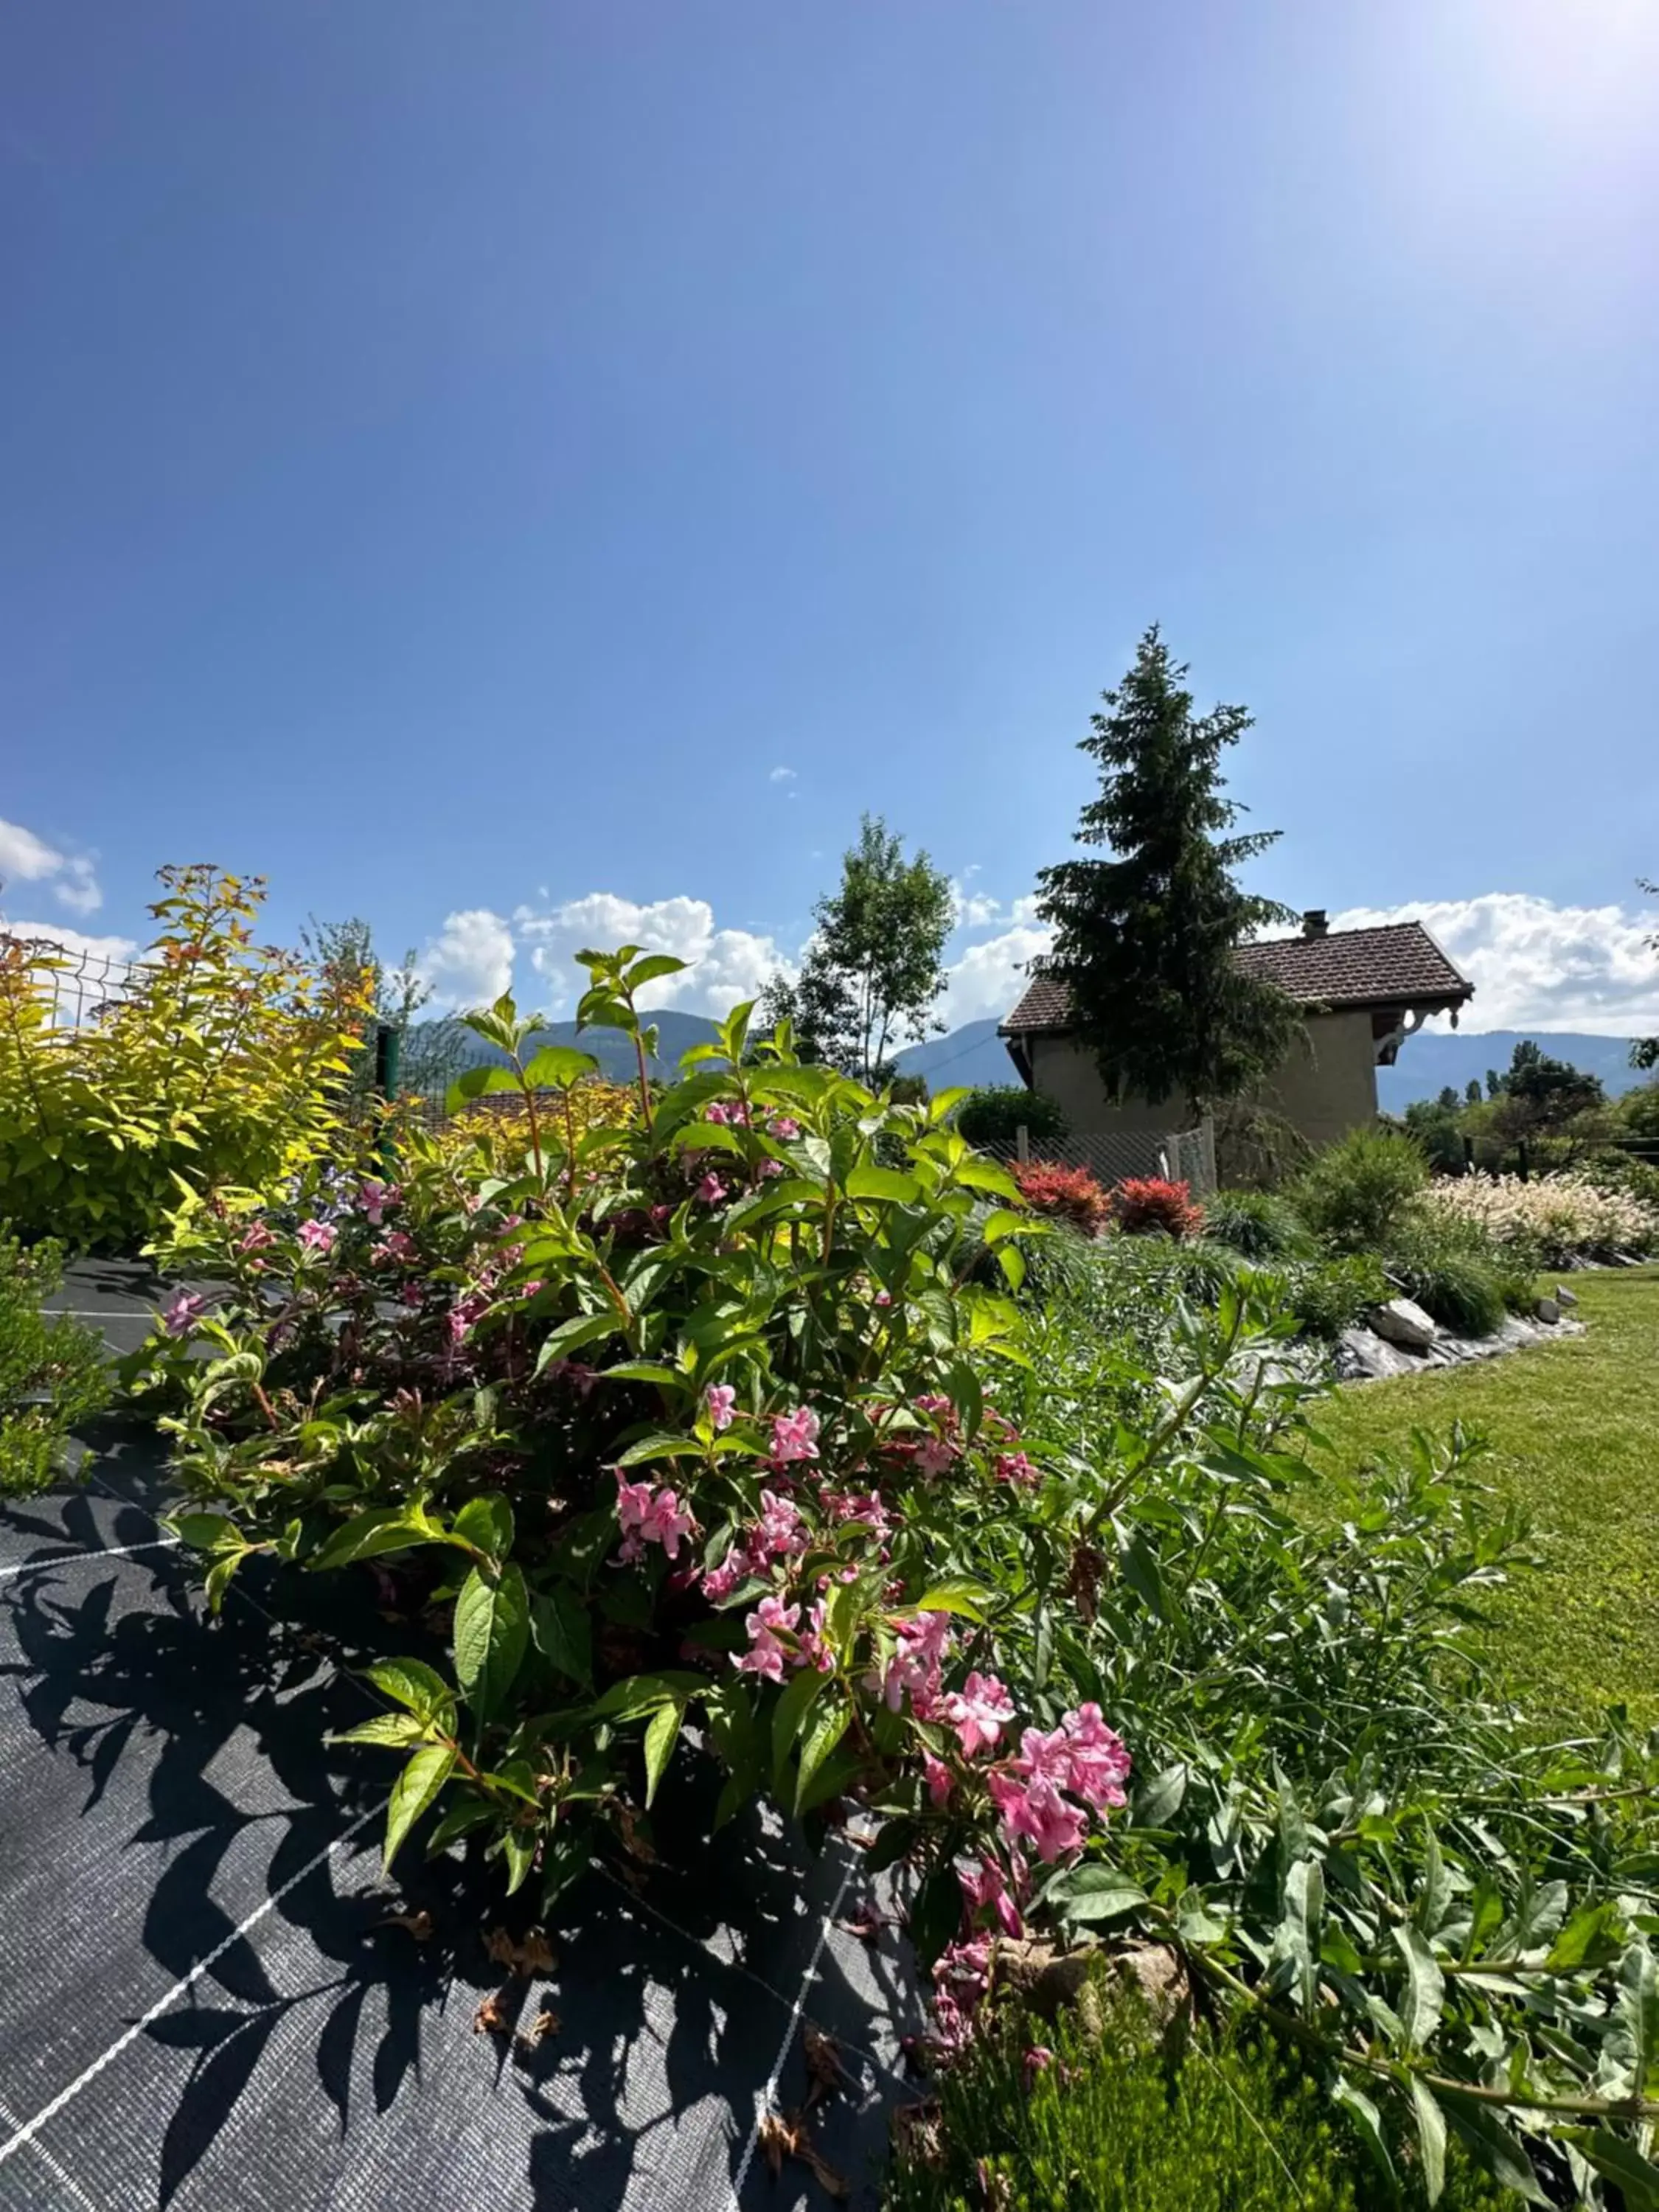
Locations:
(717, 1444)
(1551, 1220)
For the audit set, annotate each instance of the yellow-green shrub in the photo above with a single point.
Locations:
(222, 1063)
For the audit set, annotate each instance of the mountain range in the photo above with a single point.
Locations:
(975, 1055)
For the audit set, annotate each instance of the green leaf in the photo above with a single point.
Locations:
(563, 1633)
(519, 1849)
(653, 964)
(664, 1445)
(410, 1682)
(205, 1532)
(1593, 1936)
(660, 1735)
(868, 1180)
(1159, 1797)
(571, 1335)
(639, 1694)
(1426, 1990)
(371, 1535)
(958, 1596)
(1633, 2032)
(415, 1788)
(218, 1577)
(395, 1730)
(828, 1725)
(1431, 2139)
(1098, 1894)
(459, 1820)
(790, 1718)
(1482, 2133)
(1617, 2158)
(492, 1627)
(557, 1066)
(1366, 2117)
(1429, 1908)
(486, 1521)
(476, 1083)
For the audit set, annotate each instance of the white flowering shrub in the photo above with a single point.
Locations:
(1549, 1221)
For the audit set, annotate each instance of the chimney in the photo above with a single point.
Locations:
(1315, 922)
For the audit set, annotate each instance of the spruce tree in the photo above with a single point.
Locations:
(1144, 941)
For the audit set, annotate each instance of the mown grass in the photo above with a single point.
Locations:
(1574, 1431)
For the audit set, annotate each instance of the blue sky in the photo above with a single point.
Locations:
(453, 457)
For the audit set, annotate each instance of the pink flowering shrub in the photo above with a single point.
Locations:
(689, 1416)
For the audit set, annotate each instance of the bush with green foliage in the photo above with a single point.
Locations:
(706, 1421)
(221, 1063)
(1358, 1192)
(997, 1112)
(1097, 2111)
(53, 1375)
(1328, 1296)
(1259, 1224)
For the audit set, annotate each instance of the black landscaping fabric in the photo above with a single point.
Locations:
(206, 2000)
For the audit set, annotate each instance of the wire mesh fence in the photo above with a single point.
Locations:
(1109, 1155)
(76, 984)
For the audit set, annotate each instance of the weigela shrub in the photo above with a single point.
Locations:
(221, 1060)
(691, 1417)
(53, 1373)
(1141, 1204)
(1063, 1193)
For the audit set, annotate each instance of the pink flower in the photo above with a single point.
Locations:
(721, 1400)
(783, 1127)
(940, 1780)
(397, 1245)
(769, 1167)
(779, 1530)
(1039, 1811)
(374, 1198)
(987, 1885)
(915, 1665)
(1049, 1756)
(843, 1505)
(1100, 1759)
(257, 1238)
(180, 1317)
(720, 1582)
(883, 1297)
(1037, 2058)
(733, 1114)
(934, 1455)
(794, 1436)
(814, 1652)
(316, 1237)
(766, 1655)
(666, 1521)
(977, 1710)
(649, 1518)
(711, 1190)
(933, 1401)
(1014, 1466)
(466, 1314)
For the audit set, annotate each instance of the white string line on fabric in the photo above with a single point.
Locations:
(766, 2098)
(735, 1967)
(100, 1552)
(65, 2181)
(49, 2112)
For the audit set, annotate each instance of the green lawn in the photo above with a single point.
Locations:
(1574, 1429)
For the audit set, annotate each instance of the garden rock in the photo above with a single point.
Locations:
(1564, 1296)
(1402, 1321)
(1548, 1309)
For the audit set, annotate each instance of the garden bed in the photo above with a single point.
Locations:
(205, 2002)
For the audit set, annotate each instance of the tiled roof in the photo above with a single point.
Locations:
(1398, 964)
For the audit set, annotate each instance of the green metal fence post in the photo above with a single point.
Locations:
(388, 1066)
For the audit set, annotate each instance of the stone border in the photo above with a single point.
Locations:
(1361, 1355)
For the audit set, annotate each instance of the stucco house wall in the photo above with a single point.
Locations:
(1325, 1085)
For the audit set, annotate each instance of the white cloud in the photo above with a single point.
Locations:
(469, 961)
(1537, 966)
(989, 976)
(27, 859)
(726, 965)
(74, 940)
(976, 910)
(781, 775)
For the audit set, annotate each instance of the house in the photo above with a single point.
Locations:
(1365, 991)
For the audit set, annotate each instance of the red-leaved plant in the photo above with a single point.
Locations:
(1064, 1194)
(1140, 1204)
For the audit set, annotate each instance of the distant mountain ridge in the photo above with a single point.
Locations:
(974, 1055)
